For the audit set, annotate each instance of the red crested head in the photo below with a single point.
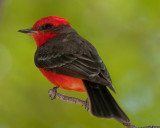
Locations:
(54, 20)
(43, 29)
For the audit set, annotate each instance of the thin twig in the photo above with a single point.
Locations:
(53, 94)
(129, 125)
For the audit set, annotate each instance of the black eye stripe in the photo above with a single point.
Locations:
(45, 27)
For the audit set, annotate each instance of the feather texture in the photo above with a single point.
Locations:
(70, 54)
(102, 103)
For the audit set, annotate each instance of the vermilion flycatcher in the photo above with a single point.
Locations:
(70, 62)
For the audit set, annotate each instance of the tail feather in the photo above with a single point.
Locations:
(102, 104)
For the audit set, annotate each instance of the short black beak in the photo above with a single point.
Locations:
(28, 31)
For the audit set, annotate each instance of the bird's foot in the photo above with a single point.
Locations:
(52, 93)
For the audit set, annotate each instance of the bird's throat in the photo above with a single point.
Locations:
(43, 37)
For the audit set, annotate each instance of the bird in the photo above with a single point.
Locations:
(71, 62)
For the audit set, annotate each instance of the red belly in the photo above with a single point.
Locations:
(64, 82)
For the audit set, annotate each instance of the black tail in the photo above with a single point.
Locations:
(102, 104)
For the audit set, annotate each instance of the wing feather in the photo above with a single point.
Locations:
(70, 54)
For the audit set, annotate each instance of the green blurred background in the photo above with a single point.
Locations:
(126, 34)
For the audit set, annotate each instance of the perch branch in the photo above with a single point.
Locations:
(53, 94)
(129, 125)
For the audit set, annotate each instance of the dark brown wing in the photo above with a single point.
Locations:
(71, 55)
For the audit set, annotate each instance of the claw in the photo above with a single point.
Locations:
(52, 93)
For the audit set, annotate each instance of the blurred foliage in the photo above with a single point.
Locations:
(127, 37)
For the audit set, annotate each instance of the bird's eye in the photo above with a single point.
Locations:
(46, 27)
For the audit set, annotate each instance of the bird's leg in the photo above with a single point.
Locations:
(52, 93)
